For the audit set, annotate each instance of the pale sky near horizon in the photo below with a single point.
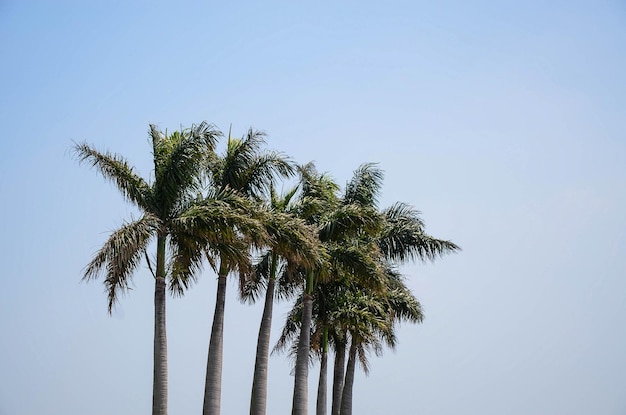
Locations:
(503, 122)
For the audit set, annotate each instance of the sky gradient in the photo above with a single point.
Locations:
(504, 123)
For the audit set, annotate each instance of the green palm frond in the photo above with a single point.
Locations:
(403, 306)
(403, 237)
(234, 257)
(318, 194)
(264, 170)
(400, 302)
(179, 161)
(291, 329)
(283, 203)
(186, 261)
(218, 238)
(252, 288)
(117, 170)
(121, 254)
(348, 221)
(365, 185)
(221, 218)
(292, 239)
(289, 281)
(247, 168)
(358, 263)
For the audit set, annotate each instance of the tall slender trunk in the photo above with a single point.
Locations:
(340, 361)
(159, 385)
(258, 400)
(213, 384)
(300, 387)
(346, 399)
(322, 385)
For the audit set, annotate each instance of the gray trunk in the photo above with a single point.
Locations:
(300, 389)
(213, 384)
(346, 399)
(321, 386)
(258, 401)
(340, 361)
(159, 387)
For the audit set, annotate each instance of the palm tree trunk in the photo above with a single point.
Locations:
(159, 386)
(258, 401)
(213, 384)
(300, 388)
(346, 399)
(340, 361)
(322, 385)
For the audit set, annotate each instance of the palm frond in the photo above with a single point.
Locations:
(186, 261)
(246, 168)
(121, 255)
(179, 161)
(365, 185)
(357, 262)
(220, 219)
(291, 329)
(348, 221)
(292, 239)
(284, 202)
(252, 288)
(403, 306)
(318, 194)
(290, 280)
(240, 154)
(403, 237)
(263, 172)
(117, 170)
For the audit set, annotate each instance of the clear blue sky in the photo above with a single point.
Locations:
(503, 122)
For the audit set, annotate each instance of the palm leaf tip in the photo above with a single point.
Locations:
(120, 255)
(117, 170)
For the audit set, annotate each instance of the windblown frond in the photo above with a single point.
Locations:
(284, 202)
(348, 221)
(291, 329)
(117, 170)
(180, 159)
(121, 254)
(403, 306)
(290, 281)
(292, 239)
(364, 187)
(215, 228)
(357, 262)
(264, 170)
(186, 261)
(252, 288)
(318, 194)
(248, 169)
(403, 237)
(220, 219)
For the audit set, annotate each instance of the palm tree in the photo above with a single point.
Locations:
(338, 222)
(364, 318)
(400, 237)
(247, 171)
(333, 310)
(369, 318)
(322, 332)
(277, 263)
(169, 213)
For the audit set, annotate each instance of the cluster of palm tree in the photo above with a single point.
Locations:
(336, 253)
